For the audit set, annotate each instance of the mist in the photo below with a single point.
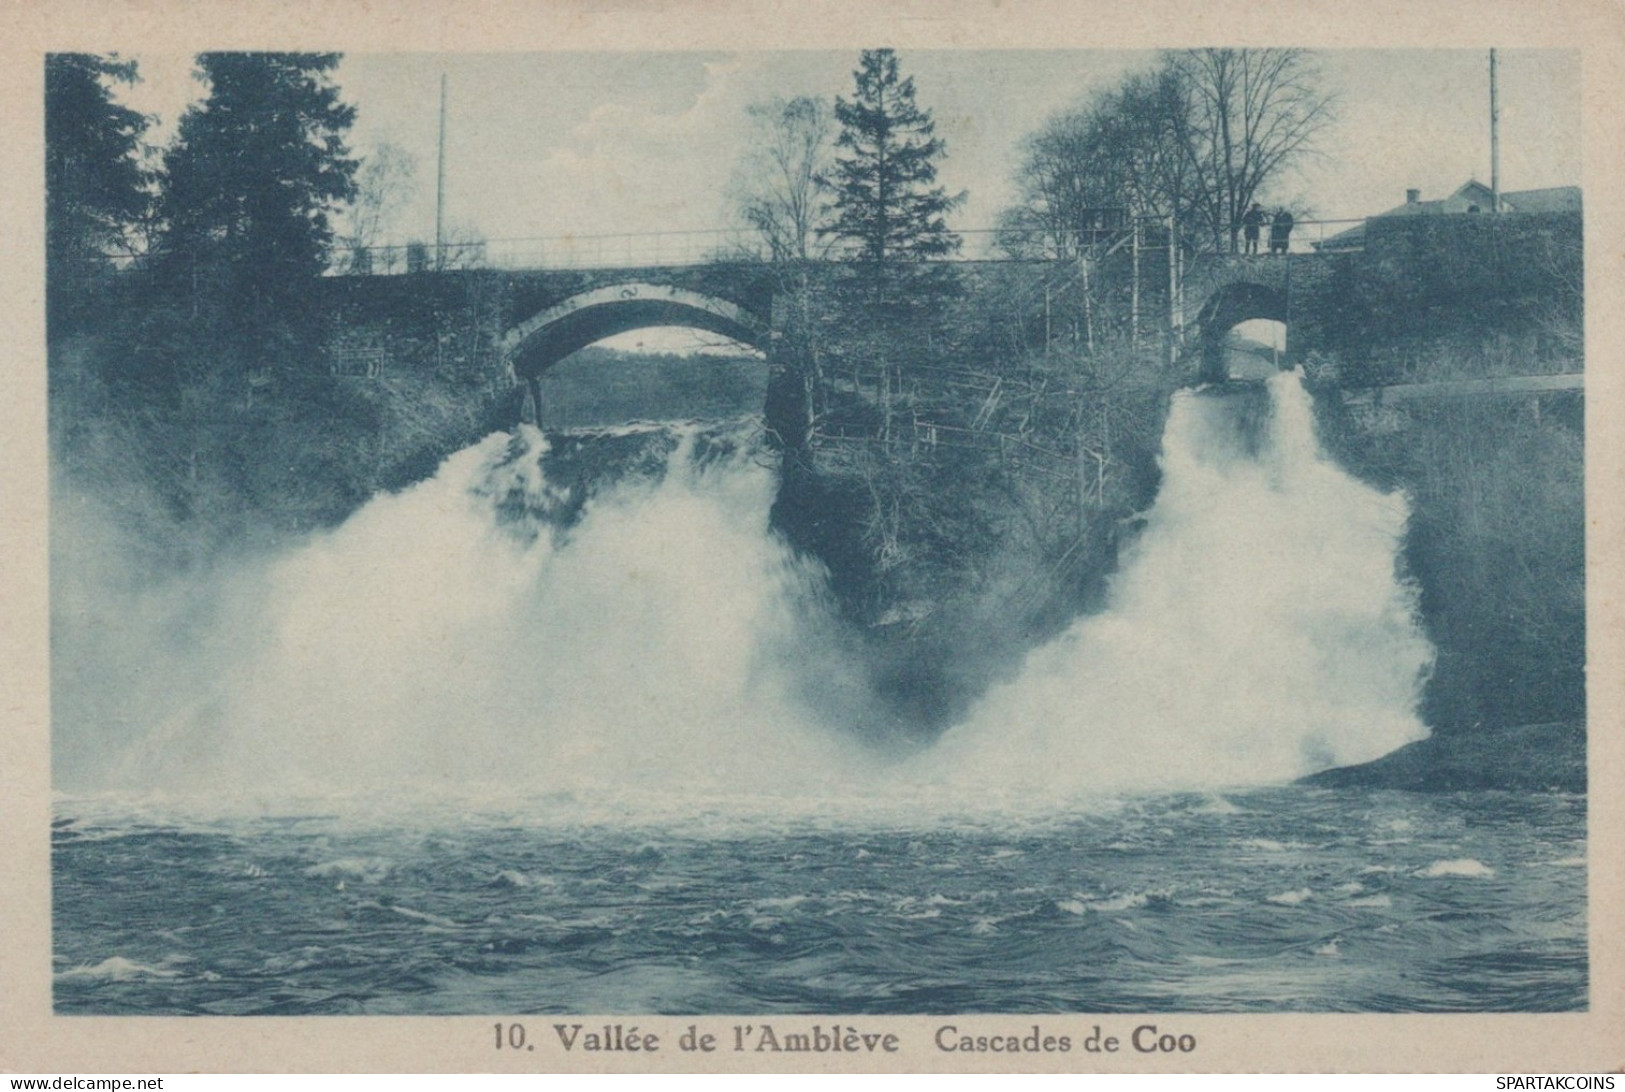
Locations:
(462, 639)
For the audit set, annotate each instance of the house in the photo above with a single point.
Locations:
(1472, 197)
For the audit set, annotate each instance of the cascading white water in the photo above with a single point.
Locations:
(671, 644)
(1256, 631)
(436, 643)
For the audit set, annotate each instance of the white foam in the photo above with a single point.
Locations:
(425, 917)
(1292, 898)
(1257, 631)
(427, 647)
(1372, 902)
(1461, 866)
(670, 658)
(115, 969)
(366, 869)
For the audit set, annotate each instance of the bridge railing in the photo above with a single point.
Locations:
(1311, 236)
(629, 250)
(625, 250)
(1306, 237)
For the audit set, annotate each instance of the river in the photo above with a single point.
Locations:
(463, 755)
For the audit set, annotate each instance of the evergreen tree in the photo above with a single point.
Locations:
(249, 188)
(95, 187)
(885, 198)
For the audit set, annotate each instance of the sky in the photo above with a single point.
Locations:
(549, 144)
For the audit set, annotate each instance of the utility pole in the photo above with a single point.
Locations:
(440, 186)
(1495, 141)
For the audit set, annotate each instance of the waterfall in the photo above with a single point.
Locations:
(457, 637)
(1256, 631)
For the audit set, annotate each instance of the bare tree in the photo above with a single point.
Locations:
(464, 247)
(1089, 168)
(1061, 180)
(1196, 139)
(778, 187)
(1249, 114)
(384, 184)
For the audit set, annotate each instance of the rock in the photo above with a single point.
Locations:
(1531, 757)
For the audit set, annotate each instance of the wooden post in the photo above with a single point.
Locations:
(1083, 474)
(1088, 309)
(1105, 454)
(1173, 292)
(1134, 288)
(885, 404)
(1046, 318)
(1287, 332)
(1179, 281)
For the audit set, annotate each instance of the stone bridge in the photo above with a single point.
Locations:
(497, 328)
(507, 326)
(1219, 291)
(530, 320)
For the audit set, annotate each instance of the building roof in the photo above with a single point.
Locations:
(1470, 195)
(1551, 199)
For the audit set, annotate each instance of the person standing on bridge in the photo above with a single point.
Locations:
(1250, 223)
(1280, 232)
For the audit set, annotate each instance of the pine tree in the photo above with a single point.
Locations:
(95, 187)
(260, 164)
(249, 189)
(885, 198)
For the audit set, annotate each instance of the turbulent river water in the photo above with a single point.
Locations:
(463, 754)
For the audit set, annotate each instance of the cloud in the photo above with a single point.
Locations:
(600, 143)
(630, 166)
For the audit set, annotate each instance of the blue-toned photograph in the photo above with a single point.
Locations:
(829, 532)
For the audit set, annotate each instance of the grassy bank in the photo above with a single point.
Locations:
(225, 461)
(1496, 544)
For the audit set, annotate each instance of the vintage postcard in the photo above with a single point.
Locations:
(955, 537)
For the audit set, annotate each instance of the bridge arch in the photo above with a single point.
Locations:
(1227, 306)
(550, 335)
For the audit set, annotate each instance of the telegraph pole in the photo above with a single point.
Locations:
(1495, 141)
(440, 186)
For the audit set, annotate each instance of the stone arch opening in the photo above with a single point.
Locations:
(564, 329)
(1226, 309)
(547, 337)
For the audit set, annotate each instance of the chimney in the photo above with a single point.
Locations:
(1412, 196)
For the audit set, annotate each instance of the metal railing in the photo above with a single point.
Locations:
(623, 250)
(631, 250)
(1305, 237)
